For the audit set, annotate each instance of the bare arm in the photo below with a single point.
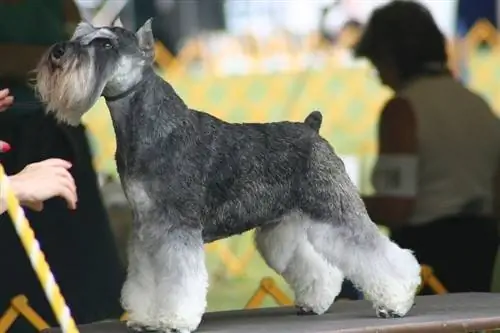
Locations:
(496, 194)
(396, 137)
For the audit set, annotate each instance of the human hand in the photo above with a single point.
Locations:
(5, 102)
(6, 99)
(4, 147)
(40, 181)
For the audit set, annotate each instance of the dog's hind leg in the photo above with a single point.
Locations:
(342, 231)
(387, 274)
(285, 249)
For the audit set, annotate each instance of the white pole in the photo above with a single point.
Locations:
(108, 12)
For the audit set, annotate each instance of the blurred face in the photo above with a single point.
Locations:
(387, 71)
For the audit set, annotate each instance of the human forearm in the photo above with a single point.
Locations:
(375, 211)
(496, 194)
(15, 189)
(496, 205)
(389, 211)
(19, 60)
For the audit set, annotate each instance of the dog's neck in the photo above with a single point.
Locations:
(145, 94)
(128, 91)
(151, 101)
(146, 76)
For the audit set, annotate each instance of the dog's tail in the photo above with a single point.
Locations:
(314, 120)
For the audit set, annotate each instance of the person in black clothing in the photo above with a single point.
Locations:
(78, 244)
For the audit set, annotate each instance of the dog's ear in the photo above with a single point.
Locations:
(117, 23)
(145, 37)
(83, 28)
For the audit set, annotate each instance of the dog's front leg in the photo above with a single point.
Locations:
(181, 280)
(139, 291)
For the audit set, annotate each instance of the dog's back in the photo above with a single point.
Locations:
(269, 161)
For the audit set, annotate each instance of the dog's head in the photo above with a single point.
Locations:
(96, 61)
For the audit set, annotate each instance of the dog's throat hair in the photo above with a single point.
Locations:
(123, 94)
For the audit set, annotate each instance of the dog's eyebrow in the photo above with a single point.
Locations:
(99, 33)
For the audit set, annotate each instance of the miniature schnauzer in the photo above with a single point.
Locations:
(191, 179)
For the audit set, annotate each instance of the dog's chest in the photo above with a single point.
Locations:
(137, 195)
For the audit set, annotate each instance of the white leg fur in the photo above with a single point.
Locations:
(179, 285)
(388, 275)
(138, 292)
(182, 282)
(285, 249)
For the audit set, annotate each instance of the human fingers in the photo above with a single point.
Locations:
(60, 188)
(69, 196)
(4, 147)
(64, 174)
(54, 162)
(4, 93)
(6, 103)
(48, 184)
(65, 187)
(47, 179)
(5, 99)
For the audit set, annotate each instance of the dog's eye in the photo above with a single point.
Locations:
(104, 43)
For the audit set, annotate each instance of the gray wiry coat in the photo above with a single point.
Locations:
(227, 178)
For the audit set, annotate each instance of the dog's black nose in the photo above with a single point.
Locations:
(58, 51)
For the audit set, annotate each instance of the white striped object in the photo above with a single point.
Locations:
(36, 256)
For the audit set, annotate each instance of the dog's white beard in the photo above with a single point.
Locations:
(68, 92)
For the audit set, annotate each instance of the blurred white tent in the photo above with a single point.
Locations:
(302, 16)
(101, 12)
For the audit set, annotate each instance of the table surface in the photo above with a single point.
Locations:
(444, 313)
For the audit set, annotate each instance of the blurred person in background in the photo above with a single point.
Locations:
(436, 178)
(78, 244)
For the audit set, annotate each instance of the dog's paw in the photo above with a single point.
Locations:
(151, 330)
(305, 311)
(386, 313)
(170, 328)
(383, 312)
(136, 328)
